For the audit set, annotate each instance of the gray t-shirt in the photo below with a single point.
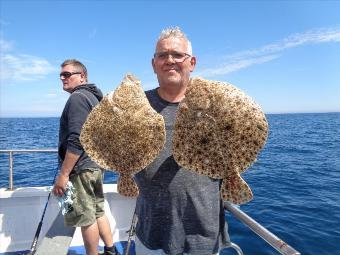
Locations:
(178, 210)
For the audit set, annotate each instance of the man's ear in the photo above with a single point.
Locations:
(83, 78)
(153, 65)
(192, 63)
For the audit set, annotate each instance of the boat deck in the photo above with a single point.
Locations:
(80, 250)
(21, 210)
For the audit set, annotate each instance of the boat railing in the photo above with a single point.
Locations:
(11, 160)
(278, 244)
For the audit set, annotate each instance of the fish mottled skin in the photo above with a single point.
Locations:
(218, 132)
(124, 133)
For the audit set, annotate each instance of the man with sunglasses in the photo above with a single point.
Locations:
(179, 211)
(85, 175)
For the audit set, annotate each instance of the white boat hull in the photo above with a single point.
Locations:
(21, 210)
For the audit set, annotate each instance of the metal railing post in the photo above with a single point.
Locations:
(11, 160)
(11, 170)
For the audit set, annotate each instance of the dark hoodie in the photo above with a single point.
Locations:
(80, 103)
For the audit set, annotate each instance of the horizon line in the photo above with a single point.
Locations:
(266, 113)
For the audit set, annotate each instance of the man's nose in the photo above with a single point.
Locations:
(170, 58)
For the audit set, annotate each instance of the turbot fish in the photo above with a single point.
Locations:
(218, 132)
(124, 133)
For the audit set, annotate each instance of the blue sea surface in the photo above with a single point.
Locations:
(295, 181)
(31, 169)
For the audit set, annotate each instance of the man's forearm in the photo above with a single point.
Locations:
(66, 168)
(68, 163)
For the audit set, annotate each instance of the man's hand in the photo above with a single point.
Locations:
(60, 185)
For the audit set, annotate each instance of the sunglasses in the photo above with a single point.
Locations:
(68, 74)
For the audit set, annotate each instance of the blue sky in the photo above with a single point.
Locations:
(284, 54)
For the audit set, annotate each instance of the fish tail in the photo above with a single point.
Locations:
(236, 190)
(127, 186)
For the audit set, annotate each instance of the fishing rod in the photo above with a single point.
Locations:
(33, 248)
(37, 233)
(132, 232)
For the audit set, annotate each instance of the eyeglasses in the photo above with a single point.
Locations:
(68, 74)
(178, 57)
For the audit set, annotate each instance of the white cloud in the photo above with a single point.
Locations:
(236, 65)
(266, 53)
(5, 46)
(24, 67)
(295, 40)
(21, 67)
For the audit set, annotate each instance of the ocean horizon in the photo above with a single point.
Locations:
(295, 180)
(266, 113)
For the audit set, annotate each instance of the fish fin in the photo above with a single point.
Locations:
(235, 190)
(127, 186)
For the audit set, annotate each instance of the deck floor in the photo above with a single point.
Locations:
(80, 250)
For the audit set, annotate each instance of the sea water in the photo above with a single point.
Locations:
(295, 181)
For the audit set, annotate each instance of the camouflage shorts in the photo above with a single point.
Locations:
(88, 198)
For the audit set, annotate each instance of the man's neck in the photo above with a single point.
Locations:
(171, 94)
(75, 88)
